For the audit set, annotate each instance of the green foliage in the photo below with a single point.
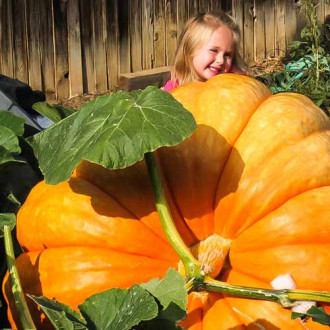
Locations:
(137, 307)
(307, 69)
(18, 174)
(6, 219)
(166, 291)
(114, 131)
(54, 112)
(11, 128)
(318, 314)
(117, 128)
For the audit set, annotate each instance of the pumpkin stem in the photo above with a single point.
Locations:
(211, 253)
(286, 298)
(20, 302)
(193, 268)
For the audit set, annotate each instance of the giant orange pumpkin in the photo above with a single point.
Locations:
(256, 172)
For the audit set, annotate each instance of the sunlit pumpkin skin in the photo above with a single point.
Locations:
(256, 172)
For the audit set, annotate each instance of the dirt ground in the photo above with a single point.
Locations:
(255, 69)
(265, 67)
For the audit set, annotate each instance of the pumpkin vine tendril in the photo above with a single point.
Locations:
(20, 302)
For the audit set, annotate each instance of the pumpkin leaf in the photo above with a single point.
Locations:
(54, 112)
(10, 128)
(14, 123)
(318, 314)
(16, 180)
(134, 308)
(9, 140)
(169, 290)
(113, 130)
(7, 219)
(119, 309)
(173, 313)
(61, 316)
(5, 156)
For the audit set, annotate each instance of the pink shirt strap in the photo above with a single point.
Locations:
(170, 84)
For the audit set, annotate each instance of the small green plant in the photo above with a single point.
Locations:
(307, 67)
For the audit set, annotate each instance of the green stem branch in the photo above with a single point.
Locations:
(192, 266)
(22, 308)
(285, 298)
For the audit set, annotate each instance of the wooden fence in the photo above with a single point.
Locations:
(70, 47)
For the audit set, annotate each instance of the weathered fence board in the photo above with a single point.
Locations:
(225, 5)
(124, 36)
(270, 28)
(259, 30)
(248, 31)
(280, 27)
(216, 6)
(47, 48)
(147, 34)
(159, 34)
(290, 21)
(112, 43)
(238, 15)
(193, 7)
(100, 46)
(70, 47)
(301, 20)
(21, 71)
(6, 38)
(171, 29)
(204, 6)
(74, 49)
(87, 45)
(136, 34)
(34, 44)
(61, 49)
(183, 15)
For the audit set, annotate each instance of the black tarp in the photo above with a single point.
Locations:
(18, 98)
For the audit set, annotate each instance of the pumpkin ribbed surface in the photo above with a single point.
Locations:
(256, 173)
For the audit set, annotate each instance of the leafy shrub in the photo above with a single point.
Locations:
(307, 67)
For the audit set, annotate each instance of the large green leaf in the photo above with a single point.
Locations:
(53, 112)
(7, 219)
(170, 289)
(111, 309)
(14, 123)
(9, 140)
(11, 127)
(5, 156)
(113, 130)
(16, 181)
(134, 308)
(119, 309)
(318, 314)
(61, 316)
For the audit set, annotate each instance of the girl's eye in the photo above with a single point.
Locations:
(214, 50)
(228, 54)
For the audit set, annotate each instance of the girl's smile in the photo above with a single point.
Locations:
(216, 55)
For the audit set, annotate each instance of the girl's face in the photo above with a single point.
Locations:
(216, 55)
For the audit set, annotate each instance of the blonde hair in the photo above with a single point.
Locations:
(196, 32)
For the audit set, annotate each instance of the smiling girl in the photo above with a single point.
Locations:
(208, 46)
